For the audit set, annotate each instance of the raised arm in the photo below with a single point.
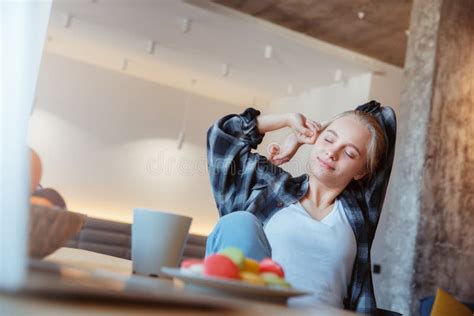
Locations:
(231, 164)
(304, 131)
(296, 121)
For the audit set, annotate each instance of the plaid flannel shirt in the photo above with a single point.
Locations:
(242, 180)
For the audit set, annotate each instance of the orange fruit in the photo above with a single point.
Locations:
(251, 265)
(36, 200)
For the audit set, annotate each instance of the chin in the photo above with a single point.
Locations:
(321, 174)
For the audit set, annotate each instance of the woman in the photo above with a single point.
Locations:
(319, 226)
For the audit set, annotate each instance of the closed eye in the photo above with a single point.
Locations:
(328, 140)
(349, 155)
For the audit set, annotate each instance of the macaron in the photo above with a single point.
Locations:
(234, 254)
(186, 263)
(273, 280)
(221, 266)
(251, 278)
(197, 268)
(268, 265)
(251, 265)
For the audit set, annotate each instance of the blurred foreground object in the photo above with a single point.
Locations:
(50, 195)
(51, 228)
(36, 170)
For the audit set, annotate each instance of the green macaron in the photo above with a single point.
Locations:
(234, 254)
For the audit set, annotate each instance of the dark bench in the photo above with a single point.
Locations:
(114, 239)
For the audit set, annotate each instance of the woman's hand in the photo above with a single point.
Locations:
(280, 155)
(306, 130)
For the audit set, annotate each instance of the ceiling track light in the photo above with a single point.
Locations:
(67, 20)
(182, 134)
(151, 46)
(290, 89)
(268, 52)
(225, 70)
(338, 75)
(186, 25)
(124, 64)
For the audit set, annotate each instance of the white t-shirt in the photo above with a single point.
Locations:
(317, 256)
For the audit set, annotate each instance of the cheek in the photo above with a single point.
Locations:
(353, 168)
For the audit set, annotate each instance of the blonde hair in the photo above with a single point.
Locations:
(377, 144)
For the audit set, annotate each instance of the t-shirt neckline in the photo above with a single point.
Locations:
(325, 220)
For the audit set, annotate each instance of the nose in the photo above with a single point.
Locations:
(331, 153)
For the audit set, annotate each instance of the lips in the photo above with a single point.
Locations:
(325, 164)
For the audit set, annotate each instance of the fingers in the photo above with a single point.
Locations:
(317, 127)
(279, 162)
(273, 149)
(276, 156)
(304, 130)
(314, 125)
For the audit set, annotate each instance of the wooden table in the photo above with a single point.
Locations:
(79, 282)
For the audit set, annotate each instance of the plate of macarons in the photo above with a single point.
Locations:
(229, 272)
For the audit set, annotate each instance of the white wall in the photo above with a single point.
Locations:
(386, 86)
(108, 142)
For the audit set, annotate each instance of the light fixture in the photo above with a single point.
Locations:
(182, 134)
(361, 15)
(268, 52)
(338, 75)
(181, 139)
(185, 25)
(67, 20)
(225, 70)
(124, 64)
(290, 88)
(151, 45)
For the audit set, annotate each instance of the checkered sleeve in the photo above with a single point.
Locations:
(231, 165)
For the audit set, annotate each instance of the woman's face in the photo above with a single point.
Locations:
(340, 153)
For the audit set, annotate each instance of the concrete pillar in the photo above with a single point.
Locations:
(429, 241)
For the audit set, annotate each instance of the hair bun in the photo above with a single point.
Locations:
(370, 107)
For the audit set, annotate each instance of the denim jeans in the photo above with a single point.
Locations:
(242, 230)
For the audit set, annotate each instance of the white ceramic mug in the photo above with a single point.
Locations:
(158, 240)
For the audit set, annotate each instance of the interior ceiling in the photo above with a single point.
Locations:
(371, 27)
(221, 54)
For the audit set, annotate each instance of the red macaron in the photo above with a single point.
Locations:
(221, 266)
(268, 265)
